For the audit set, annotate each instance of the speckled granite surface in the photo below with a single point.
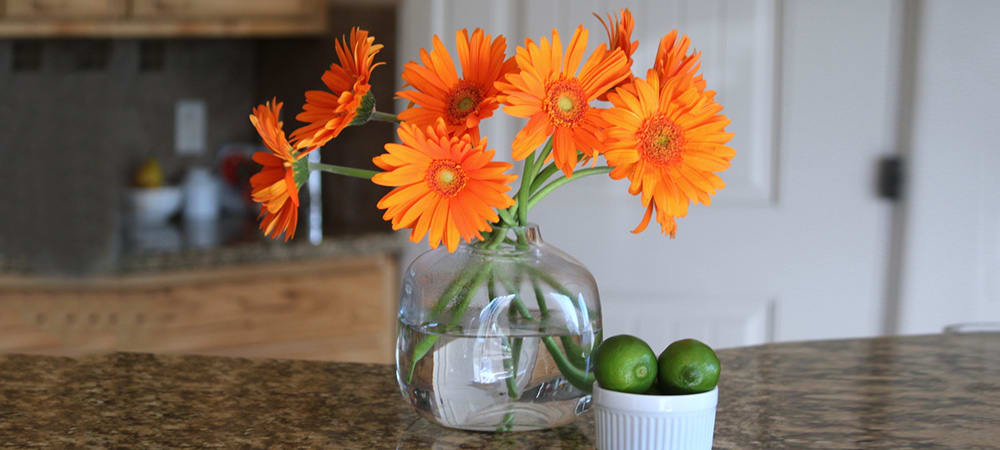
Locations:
(938, 391)
(263, 251)
(231, 254)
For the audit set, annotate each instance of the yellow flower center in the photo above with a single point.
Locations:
(445, 177)
(462, 101)
(660, 140)
(565, 102)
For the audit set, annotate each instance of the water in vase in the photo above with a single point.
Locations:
(504, 382)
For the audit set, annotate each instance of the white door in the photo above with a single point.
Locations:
(951, 268)
(796, 246)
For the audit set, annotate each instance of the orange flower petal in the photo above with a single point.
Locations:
(451, 185)
(548, 90)
(668, 137)
(328, 113)
(274, 185)
(436, 91)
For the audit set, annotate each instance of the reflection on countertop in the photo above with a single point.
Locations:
(223, 243)
(181, 245)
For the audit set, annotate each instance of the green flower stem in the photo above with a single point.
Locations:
(466, 281)
(522, 239)
(491, 287)
(547, 172)
(561, 181)
(509, 365)
(463, 303)
(341, 170)
(425, 344)
(572, 363)
(525, 191)
(543, 309)
(580, 378)
(575, 353)
(546, 151)
(384, 117)
(457, 284)
(543, 176)
(419, 351)
(519, 306)
(506, 217)
(552, 282)
(507, 424)
(531, 167)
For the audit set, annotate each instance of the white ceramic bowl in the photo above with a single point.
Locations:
(670, 422)
(153, 206)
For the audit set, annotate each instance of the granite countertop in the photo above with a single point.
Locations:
(260, 251)
(938, 391)
(255, 251)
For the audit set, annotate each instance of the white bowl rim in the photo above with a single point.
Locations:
(655, 403)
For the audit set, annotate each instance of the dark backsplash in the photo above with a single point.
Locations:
(77, 116)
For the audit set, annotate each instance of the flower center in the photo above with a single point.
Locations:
(445, 177)
(565, 102)
(462, 101)
(660, 140)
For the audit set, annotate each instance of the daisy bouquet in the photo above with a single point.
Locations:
(587, 114)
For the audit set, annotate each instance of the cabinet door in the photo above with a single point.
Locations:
(44, 9)
(334, 310)
(222, 8)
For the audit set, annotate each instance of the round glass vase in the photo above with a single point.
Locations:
(497, 336)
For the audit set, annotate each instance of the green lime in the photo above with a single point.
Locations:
(688, 366)
(625, 363)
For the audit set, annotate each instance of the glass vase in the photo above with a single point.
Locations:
(497, 336)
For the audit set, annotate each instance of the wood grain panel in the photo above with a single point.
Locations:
(34, 9)
(329, 310)
(216, 8)
(180, 27)
(162, 18)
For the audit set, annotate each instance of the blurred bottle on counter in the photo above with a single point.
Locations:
(201, 195)
(201, 208)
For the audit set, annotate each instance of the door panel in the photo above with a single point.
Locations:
(951, 269)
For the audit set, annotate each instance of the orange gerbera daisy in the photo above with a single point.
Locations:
(667, 137)
(672, 58)
(439, 93)
(276, 186)
(328, 113)
(620, 37)
(446, 185)
(557, 100)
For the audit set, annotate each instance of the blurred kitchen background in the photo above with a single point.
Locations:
(863, 199)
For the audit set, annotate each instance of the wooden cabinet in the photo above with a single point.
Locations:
(221, 8)
(337, 309)
(80, 9)
(161, 18)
